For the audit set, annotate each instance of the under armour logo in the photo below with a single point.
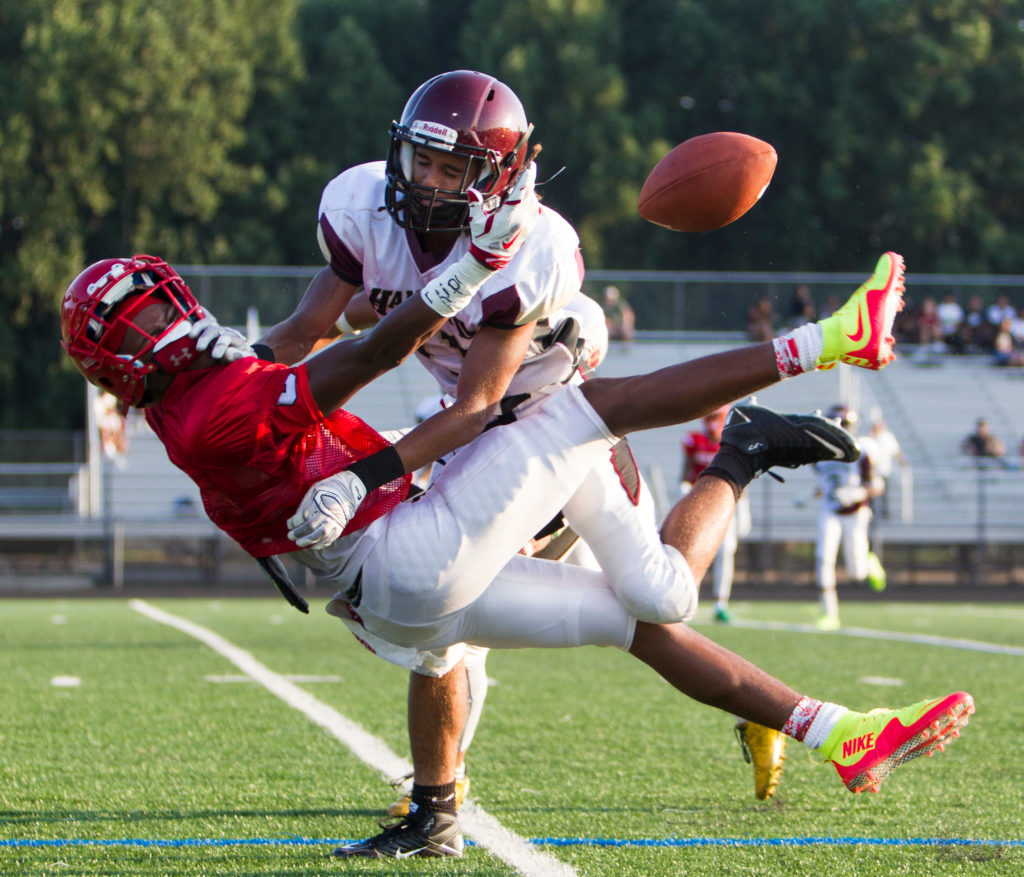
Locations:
(179, 359)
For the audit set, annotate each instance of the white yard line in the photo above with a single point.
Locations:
(490, 834)
(924, 639)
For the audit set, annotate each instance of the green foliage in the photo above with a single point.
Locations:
(205, 132)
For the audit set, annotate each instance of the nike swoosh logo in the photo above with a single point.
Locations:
(511, 240)
(859, 334)
(837, 452)
(400, 855)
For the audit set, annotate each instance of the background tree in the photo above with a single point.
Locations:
(119, 124)
(205, 132)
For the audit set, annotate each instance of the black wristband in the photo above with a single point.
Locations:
(378, 469)
(264, 352)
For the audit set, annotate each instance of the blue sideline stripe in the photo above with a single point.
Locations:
(542, 841)
(776, 842)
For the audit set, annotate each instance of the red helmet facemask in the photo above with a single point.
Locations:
(100, 307)
(461, 113)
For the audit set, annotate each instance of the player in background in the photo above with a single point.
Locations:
(763, 747)
(844, 516)
(261, 439)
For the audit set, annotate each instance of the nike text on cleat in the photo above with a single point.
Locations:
(422, 833)
(771, 439)
(765, 748)
(866, 747)
(400, 806)
(860, 332)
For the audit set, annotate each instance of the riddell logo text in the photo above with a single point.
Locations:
(858, 744)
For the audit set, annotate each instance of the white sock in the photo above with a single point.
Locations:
(797, 352)
(823, 723)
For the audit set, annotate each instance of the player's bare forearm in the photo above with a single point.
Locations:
(344, 368)
(322, 303)
(491, 363)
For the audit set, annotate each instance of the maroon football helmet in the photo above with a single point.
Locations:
(464, 113)
(99, 308)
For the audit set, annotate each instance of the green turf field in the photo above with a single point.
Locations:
(166, 759)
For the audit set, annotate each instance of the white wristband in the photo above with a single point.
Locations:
(345, 327)
(451, 292)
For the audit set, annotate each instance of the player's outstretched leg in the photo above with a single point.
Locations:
(755, 439)
(765, 748)
(860, 332)
(866, 747)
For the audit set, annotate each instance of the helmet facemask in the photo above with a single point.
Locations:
(426, 208)
(461, 113)
(101, 307)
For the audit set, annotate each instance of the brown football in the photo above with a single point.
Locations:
(707, 181)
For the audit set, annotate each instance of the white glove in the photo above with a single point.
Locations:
(850, 495)
(227, 344)
(498, 228)
(326, 510)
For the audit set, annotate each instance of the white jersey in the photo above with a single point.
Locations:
(839, 485)
(366, 247)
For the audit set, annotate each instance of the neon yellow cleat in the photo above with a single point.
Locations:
(827, 622)
(400, 806)
(876, 573)
(866, 747)
(765, 748)
(860, 332)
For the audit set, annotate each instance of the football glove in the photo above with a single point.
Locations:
(849, 495)
(498, 228)
(225, 343)
(326, 510)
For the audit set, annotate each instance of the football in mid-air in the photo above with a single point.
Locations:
(707, 181)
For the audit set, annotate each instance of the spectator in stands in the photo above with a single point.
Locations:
(801, 308)
(983, 442)
(761, 320)
(1000, 310)
(1005, 348)
(928, 332)
(951, 318)
(904, 327)
(111, 427)
(975, 331)
(619, 315)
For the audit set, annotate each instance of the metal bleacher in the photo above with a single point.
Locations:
(942, 497)
(929, 402)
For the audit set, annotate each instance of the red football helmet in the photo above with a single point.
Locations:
(463, 113)
(98, 310)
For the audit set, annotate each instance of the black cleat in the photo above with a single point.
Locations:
(770, 439)
(421, 833)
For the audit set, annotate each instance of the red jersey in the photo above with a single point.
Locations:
(700, 449)
(251, 436)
